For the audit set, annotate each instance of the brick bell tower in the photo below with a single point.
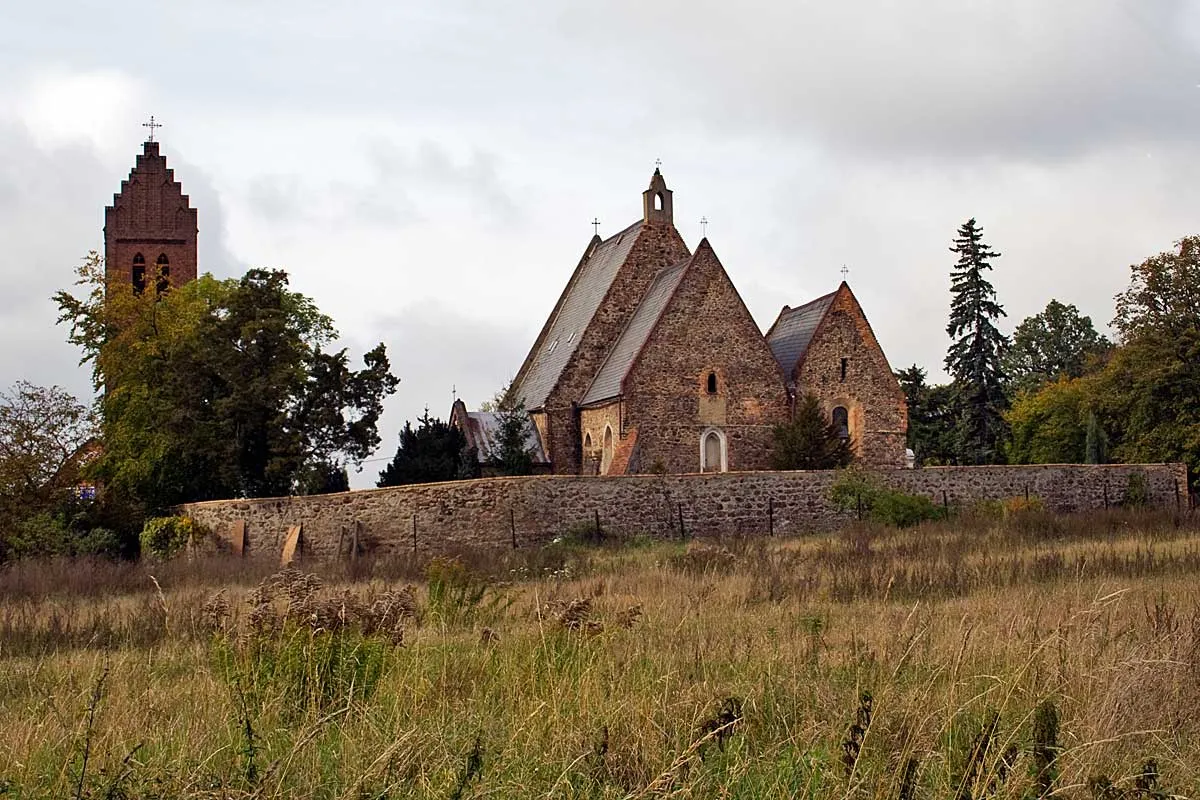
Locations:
(150, 228)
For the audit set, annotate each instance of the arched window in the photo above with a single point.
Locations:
(163, 268)
(845, 363)
(841, 419)
(712, 383)
(712, 451)
(587, 443)
(606, 456)
(139, 273)
(658, 201)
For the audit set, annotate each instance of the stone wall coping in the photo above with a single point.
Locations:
(565, 479)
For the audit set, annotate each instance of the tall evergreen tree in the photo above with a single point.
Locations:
(931, 420)
(976, 354)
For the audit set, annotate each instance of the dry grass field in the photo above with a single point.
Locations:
(1008, 657)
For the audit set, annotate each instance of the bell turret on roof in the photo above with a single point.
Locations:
(656, 201)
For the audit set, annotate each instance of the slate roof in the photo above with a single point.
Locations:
(574, 311)
(485, 430)
(616, 366)
(791, 334)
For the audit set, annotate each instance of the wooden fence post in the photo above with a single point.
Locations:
(770, 516)
(414, 532)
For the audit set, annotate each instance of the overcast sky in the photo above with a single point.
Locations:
(427, 171)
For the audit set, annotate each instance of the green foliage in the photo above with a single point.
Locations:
(166, 537)
(513, 435)
(456, 594)
(221, 388)
(811, 440)
(977, 350)
(931, 418)
(859, 491)
(1137, 491)
(435, 451)
(305, 672)
(1055, 344)
(42, 433)
(1050, 426)
(1095, 444)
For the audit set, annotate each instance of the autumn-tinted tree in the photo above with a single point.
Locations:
(221, 388)
(977, 350)
(811, 440)
(433, 451)
(1049, 426)
(1148, 395)
(1057, 343)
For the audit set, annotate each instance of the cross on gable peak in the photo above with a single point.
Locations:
(152, 125)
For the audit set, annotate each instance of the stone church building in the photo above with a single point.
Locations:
(651, 362)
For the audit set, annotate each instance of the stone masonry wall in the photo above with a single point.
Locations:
(494, 512)
(658, 245)
(705, 329)
(877, 408)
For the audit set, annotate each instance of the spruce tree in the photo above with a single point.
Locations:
(975, 356)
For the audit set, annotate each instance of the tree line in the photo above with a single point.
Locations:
(1057, 391)
(230, 388)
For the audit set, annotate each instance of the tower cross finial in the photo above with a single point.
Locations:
(657, 163)
(151, 125)
(845, 271)
(704, 226)
(596, 225)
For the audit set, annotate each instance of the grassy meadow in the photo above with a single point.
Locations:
(1024, 656)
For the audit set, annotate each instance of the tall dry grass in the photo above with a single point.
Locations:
(868, 663)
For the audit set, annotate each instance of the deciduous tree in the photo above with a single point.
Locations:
(1057, 343)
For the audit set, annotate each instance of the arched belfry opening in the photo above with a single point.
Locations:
(163, 268)
(656, 201)
(139, 273)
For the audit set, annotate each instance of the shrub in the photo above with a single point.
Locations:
(1137, 491)
(859, 491)
(100, 543)
(165, 537)
(457, 594)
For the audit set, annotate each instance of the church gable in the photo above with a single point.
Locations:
(597, 303)
(704, 368)
(150, 229)
(844, 366)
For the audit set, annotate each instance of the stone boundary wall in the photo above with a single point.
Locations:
(495, 512)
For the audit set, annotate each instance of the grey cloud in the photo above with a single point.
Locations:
(940, 77)
(435, 350)
(406, 185)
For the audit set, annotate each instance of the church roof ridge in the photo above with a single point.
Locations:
(610, 378)
(576, 306)
(793, 330)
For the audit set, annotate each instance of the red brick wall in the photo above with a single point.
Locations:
(705, 328)
(151, 215)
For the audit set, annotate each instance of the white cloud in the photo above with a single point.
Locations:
(59, 107)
